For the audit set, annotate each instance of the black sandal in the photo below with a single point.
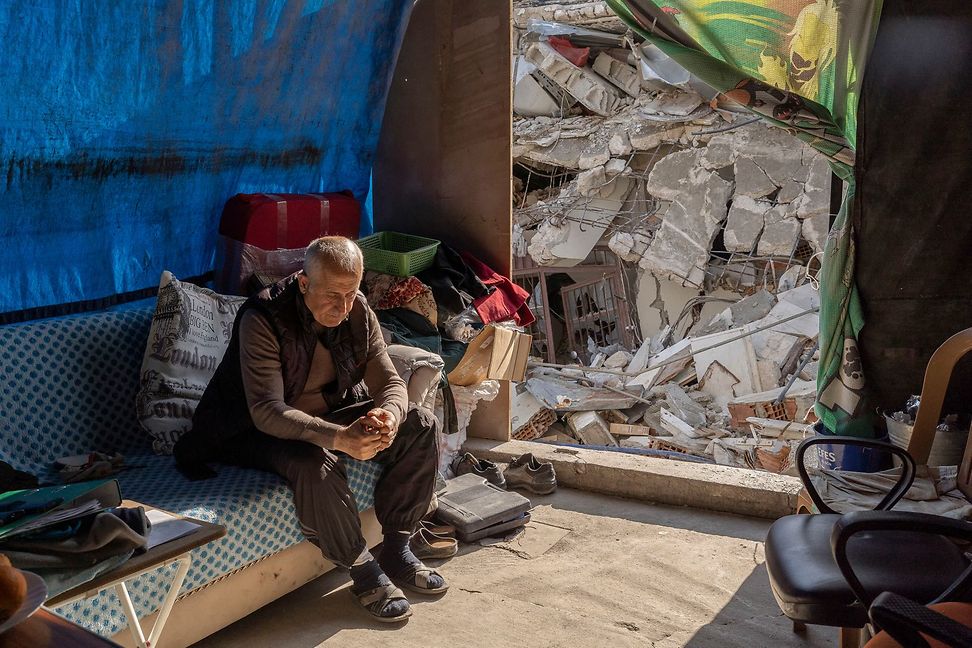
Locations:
(418, 581)
(376, 601)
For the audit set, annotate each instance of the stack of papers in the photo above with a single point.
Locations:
(167, 527)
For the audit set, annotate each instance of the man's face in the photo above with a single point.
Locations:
(329, 295)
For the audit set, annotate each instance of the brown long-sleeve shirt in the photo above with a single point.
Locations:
(302, 419)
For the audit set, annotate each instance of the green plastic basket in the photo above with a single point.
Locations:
(397, 254)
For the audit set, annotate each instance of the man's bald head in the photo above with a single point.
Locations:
(333, 255)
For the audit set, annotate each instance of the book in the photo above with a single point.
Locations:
(24, 511)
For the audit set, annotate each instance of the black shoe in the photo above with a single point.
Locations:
(467, 463)
(535, 476)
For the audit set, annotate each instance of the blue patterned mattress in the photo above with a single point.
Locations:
(255, 507)
(69, 387)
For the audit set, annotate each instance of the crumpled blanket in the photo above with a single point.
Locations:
(505, 301)
(934, 491)
(387, 291)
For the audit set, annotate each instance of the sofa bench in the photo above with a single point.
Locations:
(69, 387)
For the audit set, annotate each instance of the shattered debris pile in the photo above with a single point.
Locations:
(616, 147)
(740, 393)
(669, 176)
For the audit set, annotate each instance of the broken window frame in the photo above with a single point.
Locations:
(601, 265)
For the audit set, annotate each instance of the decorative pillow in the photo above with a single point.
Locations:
(190, 331)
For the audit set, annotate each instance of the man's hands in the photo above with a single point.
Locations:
(368, 435)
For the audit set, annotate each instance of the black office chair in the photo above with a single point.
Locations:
(808, 582)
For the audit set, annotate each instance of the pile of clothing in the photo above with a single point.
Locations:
(443, 307)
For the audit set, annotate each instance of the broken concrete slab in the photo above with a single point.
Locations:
(530, 99)
(745, 311)
(545, 131)
(776, 429)
(567, 240)
(751, 180)
(684, 407)
(801, 299)
(565, 396)
(737, 356)
(774, 346)
(676, 105)
(523, 406)
(780, 233)
(719, 152)
(784, 164)
(647, 135)
(629, 247)
(591, 181)
(790, 190)
(566, 243)
(745, 223)
(591, 429)
(678, 428)
(622, 75)
(815, 230)
(590, 89)
(719, 383)
(677, 356)
(561, 143)
(641, 357)
(620, 144)
(618, 360)
(681, 246)
(669, 177)
(816, 193)
(763, 141)
(805, 296)
(643, 442)
(615, 166)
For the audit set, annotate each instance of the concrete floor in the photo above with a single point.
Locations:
(590, 571)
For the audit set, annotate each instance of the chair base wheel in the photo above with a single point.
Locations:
(799, 627)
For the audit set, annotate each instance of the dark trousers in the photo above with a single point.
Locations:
(325, 505)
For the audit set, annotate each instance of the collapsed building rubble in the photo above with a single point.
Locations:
(732, 397)
(714, 219)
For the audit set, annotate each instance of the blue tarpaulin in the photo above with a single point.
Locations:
(125, 126)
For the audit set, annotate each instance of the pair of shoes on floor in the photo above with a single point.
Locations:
(431, 540)
(523, 472)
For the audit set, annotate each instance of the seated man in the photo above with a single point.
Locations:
(293, 390)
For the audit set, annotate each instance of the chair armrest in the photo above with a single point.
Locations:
(850, 524)
(903, 619)
(420, 369)
(893, 496)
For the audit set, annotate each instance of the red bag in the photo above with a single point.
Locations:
(287, 221)
(263, 236)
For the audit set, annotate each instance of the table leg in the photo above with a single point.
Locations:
(170, 598)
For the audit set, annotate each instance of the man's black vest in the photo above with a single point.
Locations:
(223, 413)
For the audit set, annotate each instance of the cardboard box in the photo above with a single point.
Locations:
(497, 353)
